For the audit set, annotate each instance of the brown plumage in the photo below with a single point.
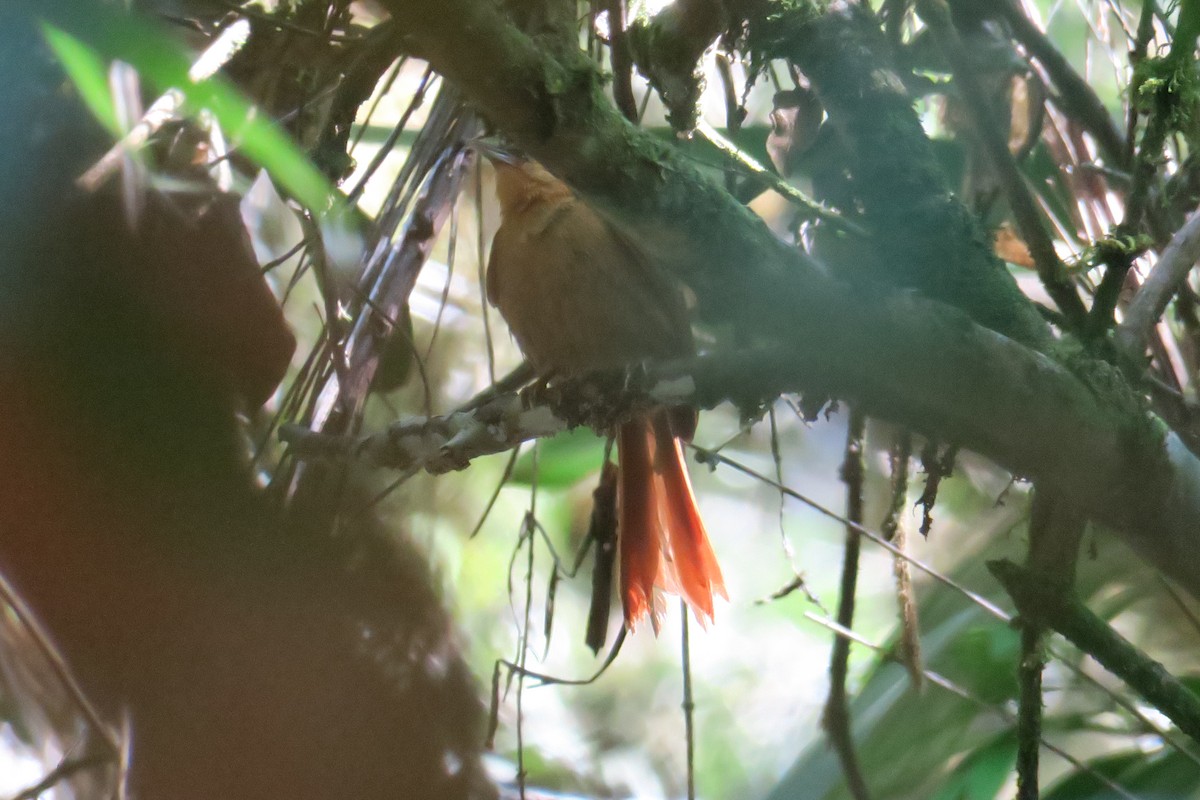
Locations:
(579, 296)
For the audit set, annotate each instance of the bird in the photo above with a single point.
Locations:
(579, 296)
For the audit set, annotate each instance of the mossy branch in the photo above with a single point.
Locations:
(1059, 610)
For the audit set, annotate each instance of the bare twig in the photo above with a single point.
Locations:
(1029, 709)
(836, 718)
(1160, 286)
(1179, 602)
(1137, 55)
(689, 705)
(481, 267)
(622, 60)
(542, 680)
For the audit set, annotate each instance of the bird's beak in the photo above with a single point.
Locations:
(497, 151)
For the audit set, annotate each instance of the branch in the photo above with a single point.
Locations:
(1168, 275)
(667, 50)
(1090, 634)
(433, 444)
(920, 365)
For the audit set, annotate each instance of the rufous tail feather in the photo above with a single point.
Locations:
(693, 565)
(662, 539)
(637, 522)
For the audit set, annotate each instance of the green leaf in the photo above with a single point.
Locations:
(982, 774)
(562, 461)
(87, 71)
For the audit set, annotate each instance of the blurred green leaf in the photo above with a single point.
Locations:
(982, 774)
(983, 658)
(562, 461)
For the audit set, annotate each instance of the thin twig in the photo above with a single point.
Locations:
(480, 251)
(733, 111)
(287, 256)
(523, 654)
(777, 459)
(1179, 602)
(1137, 55)
(689, 704)
(836, 718)
(500, 484)
(1055, 533)
(383, 92)
(418, 99)
(451, 251)
(991, 608)
(542, 680)
(1029, 710)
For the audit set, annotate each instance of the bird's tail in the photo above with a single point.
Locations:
(663, 545)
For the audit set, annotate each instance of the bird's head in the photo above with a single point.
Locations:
(519, 179)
